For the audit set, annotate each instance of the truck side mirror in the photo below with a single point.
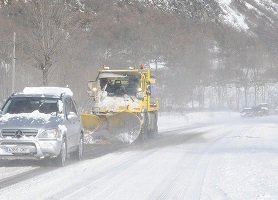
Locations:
(91, 84)
(92, 88)
(149, 91)
(140, 95)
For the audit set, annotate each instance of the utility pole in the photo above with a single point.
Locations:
(13, 75)
(156, 67)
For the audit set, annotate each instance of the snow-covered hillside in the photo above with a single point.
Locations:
(243, 15)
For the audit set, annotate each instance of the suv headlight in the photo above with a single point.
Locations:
(50, 134)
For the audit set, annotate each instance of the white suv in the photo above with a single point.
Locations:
(41, 122)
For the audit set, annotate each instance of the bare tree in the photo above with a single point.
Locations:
(47, 26)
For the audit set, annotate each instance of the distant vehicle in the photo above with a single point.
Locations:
(259, 110)
(262, 109)
(247, 112)
(41, 122)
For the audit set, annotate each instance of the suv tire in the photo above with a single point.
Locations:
(78, 154)
(60, 160)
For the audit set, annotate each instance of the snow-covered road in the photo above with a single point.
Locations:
(220, 157)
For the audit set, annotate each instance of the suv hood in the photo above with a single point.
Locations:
(35, 120)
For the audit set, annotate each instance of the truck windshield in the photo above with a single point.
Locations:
(18, 105)
(120, 86)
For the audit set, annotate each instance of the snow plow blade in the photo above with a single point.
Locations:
(120, 127)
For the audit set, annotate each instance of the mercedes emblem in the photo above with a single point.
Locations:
(18, 134)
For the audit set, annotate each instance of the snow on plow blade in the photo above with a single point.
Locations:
(119, 127)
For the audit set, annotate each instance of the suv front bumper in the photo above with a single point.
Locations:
(29, 149)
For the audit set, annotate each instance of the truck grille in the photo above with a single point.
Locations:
(25, 132)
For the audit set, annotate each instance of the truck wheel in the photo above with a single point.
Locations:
(144, 129)
(60, 160)
(155, 128)
(153, 124)
(78, 154)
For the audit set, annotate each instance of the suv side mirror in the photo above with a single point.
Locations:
(72, 116)
(60, 106)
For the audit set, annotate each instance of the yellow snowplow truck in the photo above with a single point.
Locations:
(123, 105)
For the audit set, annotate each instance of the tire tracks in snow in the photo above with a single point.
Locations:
(112, 171)
(115, 171)
(95, 152)
(194, 192)
(216, 190)
(199, 161)
(23, 176)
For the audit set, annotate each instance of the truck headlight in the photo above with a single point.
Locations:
(50, 134)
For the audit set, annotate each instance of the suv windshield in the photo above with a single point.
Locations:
(16, 105)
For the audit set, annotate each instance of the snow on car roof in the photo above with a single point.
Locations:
(48, 91)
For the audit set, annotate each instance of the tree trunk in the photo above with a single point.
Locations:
(246, 95)
(45, 77)
(219, 93)
(237, 97)
(263, 93)
(255, 88)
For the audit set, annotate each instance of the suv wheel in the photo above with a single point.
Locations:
(78, 154)
(60, 160)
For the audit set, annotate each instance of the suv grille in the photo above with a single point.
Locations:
(25, 132)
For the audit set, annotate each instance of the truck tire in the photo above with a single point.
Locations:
(144, 133)
(155, 128)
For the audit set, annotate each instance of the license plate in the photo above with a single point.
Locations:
(16, 149)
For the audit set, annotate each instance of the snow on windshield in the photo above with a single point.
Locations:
(113, 103)
(35, 114)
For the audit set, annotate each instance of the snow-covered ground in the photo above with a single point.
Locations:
(168, 121)
(196, 156)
